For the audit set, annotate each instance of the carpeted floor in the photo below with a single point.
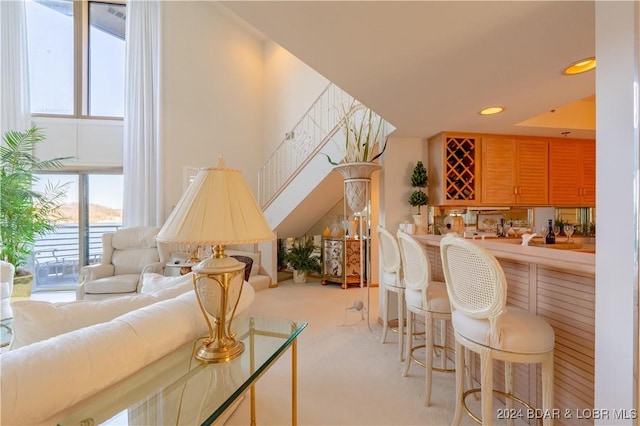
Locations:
(345, 375)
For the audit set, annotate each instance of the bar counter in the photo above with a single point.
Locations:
(559, 286)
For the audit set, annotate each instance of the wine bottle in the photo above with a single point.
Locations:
(551, 237)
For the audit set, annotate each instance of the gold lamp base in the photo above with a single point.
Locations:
(218, 286)
(220, 352)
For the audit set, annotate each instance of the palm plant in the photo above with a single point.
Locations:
(301, 257)
(25, 213)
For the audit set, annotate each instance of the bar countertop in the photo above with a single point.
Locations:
(511, 249)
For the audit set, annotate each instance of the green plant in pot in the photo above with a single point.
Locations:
(302, 259)
(418, 197)
(25, 213)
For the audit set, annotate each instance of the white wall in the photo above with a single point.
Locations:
(291, 87)
(398, 163)
(212, 100)
(617, 206)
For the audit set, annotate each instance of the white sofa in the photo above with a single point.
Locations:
(6, 288)
(63, 353)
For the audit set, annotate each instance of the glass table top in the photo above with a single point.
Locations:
(179, 390)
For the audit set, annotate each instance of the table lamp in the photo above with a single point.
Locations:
(218, 209)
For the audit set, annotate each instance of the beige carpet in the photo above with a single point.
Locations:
(345, 376)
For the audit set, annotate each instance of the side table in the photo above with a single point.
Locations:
(185, 267)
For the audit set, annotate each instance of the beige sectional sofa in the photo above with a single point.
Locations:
(63, 353)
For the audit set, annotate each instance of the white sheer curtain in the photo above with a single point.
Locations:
(142, 163)
(15, 111)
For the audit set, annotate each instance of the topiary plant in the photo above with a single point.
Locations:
(419, 179)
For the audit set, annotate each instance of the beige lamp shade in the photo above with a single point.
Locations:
(217, 208)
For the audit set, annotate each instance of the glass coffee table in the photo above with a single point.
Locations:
(179, 390)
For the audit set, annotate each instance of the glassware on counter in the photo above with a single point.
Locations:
(568, 230)
(543, 231)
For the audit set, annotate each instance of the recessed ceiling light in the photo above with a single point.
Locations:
(581, 66)
(492, 110)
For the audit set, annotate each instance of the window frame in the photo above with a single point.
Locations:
(84, 225)
(81, 63)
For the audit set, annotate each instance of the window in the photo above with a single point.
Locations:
(106, 59)
(50, 40)
(76, 57)
(93, 207)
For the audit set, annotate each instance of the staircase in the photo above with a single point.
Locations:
(296, 186)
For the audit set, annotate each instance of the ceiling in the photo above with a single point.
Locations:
(429, 66)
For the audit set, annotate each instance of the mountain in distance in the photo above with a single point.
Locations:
(97, 213)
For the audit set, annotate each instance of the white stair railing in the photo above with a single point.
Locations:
(313, 131)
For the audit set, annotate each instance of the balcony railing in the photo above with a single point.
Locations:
(56, 256)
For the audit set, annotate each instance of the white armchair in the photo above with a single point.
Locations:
(127, 254)
(6, 287)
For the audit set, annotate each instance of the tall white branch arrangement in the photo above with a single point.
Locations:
(363, 130)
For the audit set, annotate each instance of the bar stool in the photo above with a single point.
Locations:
(482, 323)
(426, 298)
(392, 282)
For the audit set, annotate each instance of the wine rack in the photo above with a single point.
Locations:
(460, 168)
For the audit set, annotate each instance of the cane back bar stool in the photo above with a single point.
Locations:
(483, 323)
(428, 299)
(392, 283)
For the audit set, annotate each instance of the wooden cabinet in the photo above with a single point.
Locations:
(467, 169)
(572, 172)
(514, 171)
(341, 261)
(453, 169)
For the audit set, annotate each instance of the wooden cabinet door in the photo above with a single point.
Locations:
(514, 172)
(564, 176)
(498, 171)
(572, 172)
(532, 159)
(588, 178)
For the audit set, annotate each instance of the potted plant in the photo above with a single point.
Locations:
(25, 213)
(362, 139)
(302, 260)
(418, 197)
(362, 131)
